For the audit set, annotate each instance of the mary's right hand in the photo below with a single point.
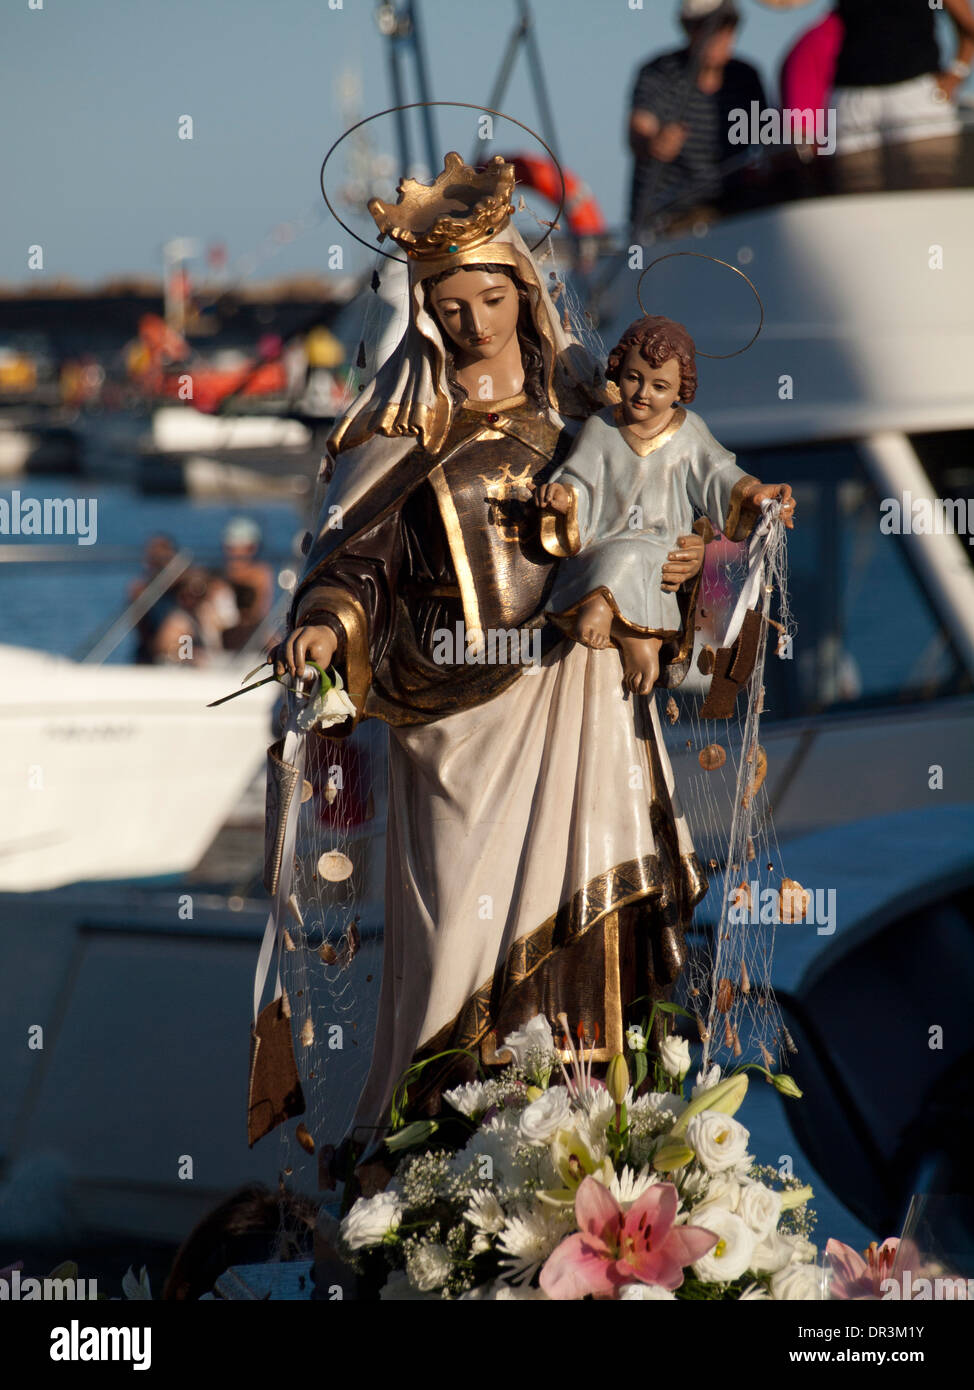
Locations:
(304, 644)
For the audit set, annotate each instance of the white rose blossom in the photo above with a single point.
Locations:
(797, 1283)
(675, 1056)
(760, 1207)
(721, 1190)
(803, 1252)
(771, 1254)
(718, 1141)
(542, 1119)
(535, 1036)
(370, 1220)
(644, 1292)
(731, 1256)
(429, 1267)
(332, 707)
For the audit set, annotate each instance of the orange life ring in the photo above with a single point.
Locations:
(582, 211)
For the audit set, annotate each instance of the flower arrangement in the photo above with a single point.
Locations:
(569, 1187)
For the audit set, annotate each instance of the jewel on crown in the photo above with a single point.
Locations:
(461, 210)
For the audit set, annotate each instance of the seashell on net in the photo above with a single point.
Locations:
(711, 757)
(334, 866)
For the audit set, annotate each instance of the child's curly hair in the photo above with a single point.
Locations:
(658, 339)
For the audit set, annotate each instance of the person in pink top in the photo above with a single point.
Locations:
(808, 70)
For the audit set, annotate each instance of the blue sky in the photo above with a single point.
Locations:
(91, 92)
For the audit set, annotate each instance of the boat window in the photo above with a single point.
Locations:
(867, 630)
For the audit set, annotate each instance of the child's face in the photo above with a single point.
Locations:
(648, 393)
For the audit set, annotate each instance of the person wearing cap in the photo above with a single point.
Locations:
(679, 122)
(896, 121)
(251, 579)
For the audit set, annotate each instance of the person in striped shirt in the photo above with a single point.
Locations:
(679, 121)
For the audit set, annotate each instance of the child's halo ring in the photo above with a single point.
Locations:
(700, 256)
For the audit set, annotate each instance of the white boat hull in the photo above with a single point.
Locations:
(118, 772)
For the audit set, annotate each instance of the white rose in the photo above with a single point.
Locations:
(717, 1140)
(771, 1254)
(721, 1190)
(760, 1207)
(429, 1267)
(643, 1292)
(371, 1219)
(706, 1081)
(545, 1116)
(731, 1256)
(803, 1252)
(797, 1283)
(675, 1056)
(535, 1036)
(332, 707)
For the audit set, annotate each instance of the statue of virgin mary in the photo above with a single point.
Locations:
(537, 858)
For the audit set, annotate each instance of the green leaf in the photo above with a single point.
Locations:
(412, 1073)
(642, 1069)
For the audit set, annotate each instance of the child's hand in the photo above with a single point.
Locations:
(773, 492)
(555, 496)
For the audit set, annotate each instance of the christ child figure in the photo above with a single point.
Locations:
(631, 485)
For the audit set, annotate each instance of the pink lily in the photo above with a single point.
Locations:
(614, 1247)
(856, 1276)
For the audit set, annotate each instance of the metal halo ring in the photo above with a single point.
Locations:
(411, 106)
(716, 356)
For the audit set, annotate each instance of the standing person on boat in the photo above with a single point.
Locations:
(679, 121)
(537, 857)
(808, 68)
(897, 125)
(250, 578)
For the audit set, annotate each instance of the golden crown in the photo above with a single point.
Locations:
(463, 209)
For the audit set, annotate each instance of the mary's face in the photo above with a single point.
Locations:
(478, 311)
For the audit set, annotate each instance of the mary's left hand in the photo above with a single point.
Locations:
(684, 563)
